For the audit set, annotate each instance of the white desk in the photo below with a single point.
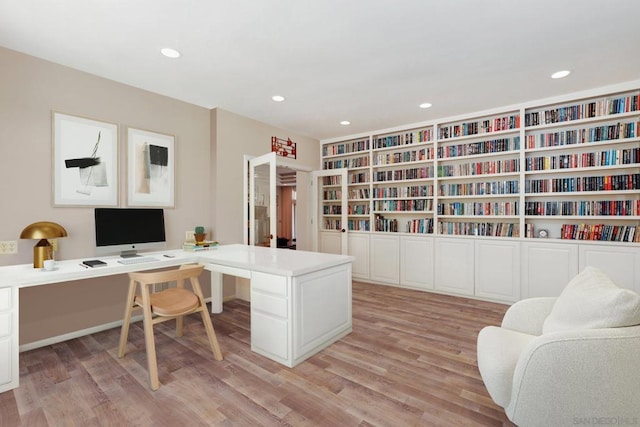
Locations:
(300, 301)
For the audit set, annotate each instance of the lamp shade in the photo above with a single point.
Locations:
(43, 230)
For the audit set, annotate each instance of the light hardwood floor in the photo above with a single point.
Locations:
(410, 361)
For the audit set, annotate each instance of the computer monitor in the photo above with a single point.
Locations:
(129, 230)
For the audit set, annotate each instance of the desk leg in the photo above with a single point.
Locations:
(216, 292)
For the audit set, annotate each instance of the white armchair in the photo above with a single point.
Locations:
(544, 374)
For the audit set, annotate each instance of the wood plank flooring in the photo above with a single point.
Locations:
(410, 361)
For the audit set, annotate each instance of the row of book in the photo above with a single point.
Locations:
(420, 226)
(333, 195)
(482, 147)
(598, 108)
(584, 160)
(359, 193)
(331, 210)
(583, 136)
(332, 224)
(424, 135)
(359, 209)
(408, 191)
(332, 180)
(404, 157)
(496, 229)
(495, 124)
(584, 183)
(604, 232)
(479, 168)
(357, 162)
(478, 208)
(479, 188)
(358, 225)
(584, 208)
(385, 224)
(403, 205)
(359, 177)
(346, 148)
(404, 174)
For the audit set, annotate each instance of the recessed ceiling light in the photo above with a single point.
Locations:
(345, 123)
(425, 105)
(170, 53)
(278, 98)
(560, 74)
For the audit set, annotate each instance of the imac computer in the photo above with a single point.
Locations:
(126, 231)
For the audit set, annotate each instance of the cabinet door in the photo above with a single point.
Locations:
(330, 242)
(547, 267)
(416, 262)
(385, 256)
(454, 266)
(359, 248)
(621, 264)
(497, 270)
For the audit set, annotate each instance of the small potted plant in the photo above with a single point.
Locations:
(199, 234)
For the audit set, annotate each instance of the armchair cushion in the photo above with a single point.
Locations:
(498, 352)
(590, 301)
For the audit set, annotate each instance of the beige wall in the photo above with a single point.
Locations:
(236, 136)
(209, 149)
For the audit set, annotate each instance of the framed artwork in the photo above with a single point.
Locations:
(85, 161)
(150, 169)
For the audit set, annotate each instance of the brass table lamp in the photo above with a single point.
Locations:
(42, 230)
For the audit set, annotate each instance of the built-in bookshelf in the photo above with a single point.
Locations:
(582, 165)
(402, 173)
(566, 170)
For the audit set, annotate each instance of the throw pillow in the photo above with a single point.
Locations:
(591, 300)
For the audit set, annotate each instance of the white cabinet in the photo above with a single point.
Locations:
(8, 339)
(359, 248)
(330, 242)
(547, 267)
(497, 270)
(621, 264)
(454, 266)
(385, 258)
(416, 262)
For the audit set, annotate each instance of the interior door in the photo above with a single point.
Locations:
(331, 210)
(262, 200)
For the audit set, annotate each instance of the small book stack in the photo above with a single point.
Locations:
(199, 246)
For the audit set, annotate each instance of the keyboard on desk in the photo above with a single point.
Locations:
(137, 260)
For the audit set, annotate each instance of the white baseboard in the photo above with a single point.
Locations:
(88, 331)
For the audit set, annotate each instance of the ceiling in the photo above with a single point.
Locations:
(371, 62)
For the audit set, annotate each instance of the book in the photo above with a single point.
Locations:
(94, 263)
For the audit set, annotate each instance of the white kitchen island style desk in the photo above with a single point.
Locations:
(300, 301)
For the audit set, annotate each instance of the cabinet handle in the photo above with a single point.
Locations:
(343, 230)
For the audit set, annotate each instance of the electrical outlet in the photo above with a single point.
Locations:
(189, 237)
(8, 247)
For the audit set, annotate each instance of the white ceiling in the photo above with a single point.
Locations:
(367, 61)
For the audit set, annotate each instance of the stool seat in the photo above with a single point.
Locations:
(171, 302)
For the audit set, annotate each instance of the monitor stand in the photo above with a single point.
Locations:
(129, 254)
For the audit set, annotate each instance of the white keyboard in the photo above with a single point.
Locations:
(136, 260)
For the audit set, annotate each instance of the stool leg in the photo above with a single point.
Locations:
(124, 332)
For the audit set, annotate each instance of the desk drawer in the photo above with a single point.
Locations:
(269, 283)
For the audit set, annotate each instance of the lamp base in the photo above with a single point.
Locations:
(41, 251)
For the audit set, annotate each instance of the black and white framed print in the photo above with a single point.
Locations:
(150, 168)
(85, 161)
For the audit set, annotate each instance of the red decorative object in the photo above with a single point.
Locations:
(283, 148)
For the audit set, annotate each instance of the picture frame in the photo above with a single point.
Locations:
(85, 161)
(150, 169)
